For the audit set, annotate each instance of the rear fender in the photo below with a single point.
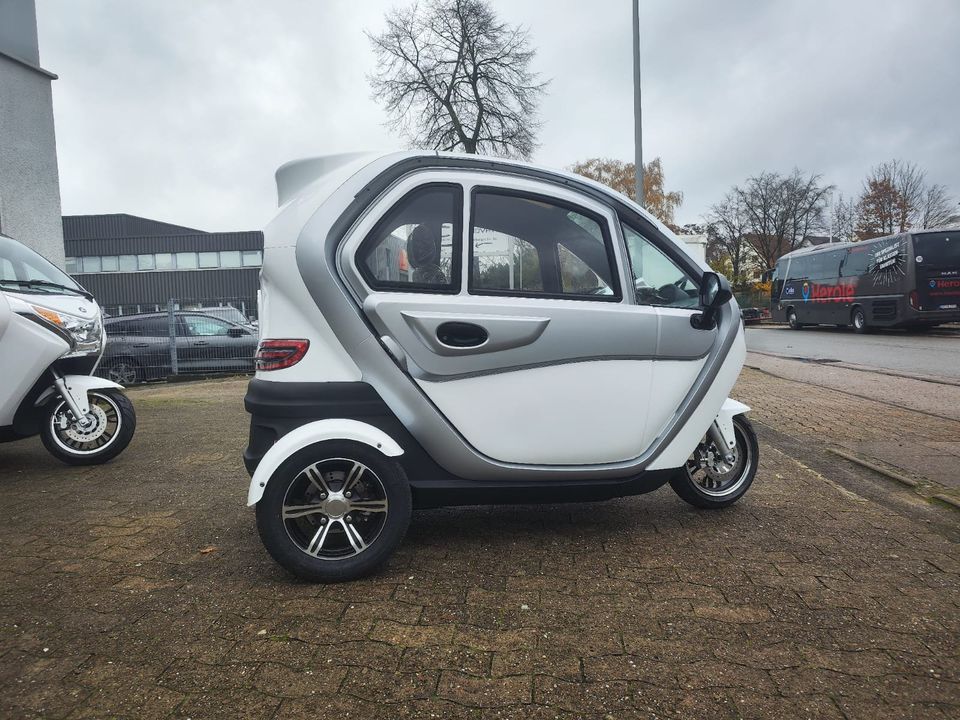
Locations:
(310, 434)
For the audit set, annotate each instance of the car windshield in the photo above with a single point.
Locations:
(227, 313)
(939, 250)
(26, 271)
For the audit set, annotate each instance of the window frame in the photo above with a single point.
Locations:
(554, 261)
(681, 264)
(369, 244)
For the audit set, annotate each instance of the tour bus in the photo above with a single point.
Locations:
(910, 280)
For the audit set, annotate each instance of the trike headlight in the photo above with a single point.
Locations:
(86, 333)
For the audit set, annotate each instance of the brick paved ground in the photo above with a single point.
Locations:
(924, 445)
(140, 589)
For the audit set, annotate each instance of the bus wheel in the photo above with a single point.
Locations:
(792, 320)
(858, 320)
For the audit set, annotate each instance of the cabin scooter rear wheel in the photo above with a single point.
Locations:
(334, 511)
(710, 481)
(101, 436)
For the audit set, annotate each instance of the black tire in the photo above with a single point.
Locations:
(123, 371)
(792, 320)
(858, 321)
(285, 539)
(694, 493)
(86, 453)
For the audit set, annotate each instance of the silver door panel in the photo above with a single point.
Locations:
(503, 332)
(580, 330)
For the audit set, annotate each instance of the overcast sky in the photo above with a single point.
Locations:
(181, 110)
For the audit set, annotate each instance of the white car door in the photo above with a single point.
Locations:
(515, 308)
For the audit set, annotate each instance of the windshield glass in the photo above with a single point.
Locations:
(18, 264)
(939, 250)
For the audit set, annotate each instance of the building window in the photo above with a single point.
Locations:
(186, 261)
(230, 259)
(206, 260)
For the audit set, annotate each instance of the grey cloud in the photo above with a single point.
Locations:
(182, 110)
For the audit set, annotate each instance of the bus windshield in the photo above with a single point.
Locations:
(939, 250)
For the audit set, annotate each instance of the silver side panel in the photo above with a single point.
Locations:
(317, 259)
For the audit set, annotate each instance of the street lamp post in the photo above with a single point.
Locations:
(637, 125)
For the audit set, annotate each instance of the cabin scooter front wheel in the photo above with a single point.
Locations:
(709, 479)
(102, 435)
(334, 511)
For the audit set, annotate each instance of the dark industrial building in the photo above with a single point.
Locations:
(132, 264)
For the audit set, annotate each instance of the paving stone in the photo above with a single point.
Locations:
(802, 600)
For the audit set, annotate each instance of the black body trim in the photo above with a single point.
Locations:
(277, 408)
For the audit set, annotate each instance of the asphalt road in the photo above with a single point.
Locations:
(932, 354)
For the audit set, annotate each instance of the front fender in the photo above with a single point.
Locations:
(310, 434)
(78, 386)
(729, 410)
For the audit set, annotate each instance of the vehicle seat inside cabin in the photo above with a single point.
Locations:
(423, 254)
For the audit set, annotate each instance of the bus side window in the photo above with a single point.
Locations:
(857, 262)
(799, 268)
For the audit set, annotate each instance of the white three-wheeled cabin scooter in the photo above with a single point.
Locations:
(452, 330)
(51, 339)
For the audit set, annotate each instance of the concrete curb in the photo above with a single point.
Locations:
(952, 501)
(902, 479)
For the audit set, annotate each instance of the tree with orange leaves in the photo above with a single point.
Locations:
(619, 175)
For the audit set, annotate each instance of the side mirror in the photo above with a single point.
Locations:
(714, 294)
(236, 332)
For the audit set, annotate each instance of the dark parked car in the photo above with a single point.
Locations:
(139, 346)
(751, 315)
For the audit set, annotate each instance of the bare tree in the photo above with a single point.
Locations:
(727, 228)
(781, 211)
(937, 209)
(896, 198)
(453, 76)
(843, 219)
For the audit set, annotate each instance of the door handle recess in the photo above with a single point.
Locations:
(200, 342)
(462, 334)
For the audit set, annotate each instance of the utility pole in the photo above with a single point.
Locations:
(637, 125)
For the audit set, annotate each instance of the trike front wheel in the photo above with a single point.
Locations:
(708, 480)
(102, 435)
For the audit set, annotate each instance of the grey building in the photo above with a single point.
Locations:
(29, 180)
(132, 264)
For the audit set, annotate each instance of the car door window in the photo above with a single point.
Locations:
(658, 280)
(534, 246)
(201, 325)
(416, 246)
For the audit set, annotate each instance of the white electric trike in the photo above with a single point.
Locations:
(444, 329)
(51, 339)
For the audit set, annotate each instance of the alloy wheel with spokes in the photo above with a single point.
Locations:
(710, 479)
(123, 371)
(335, 508)
(101, 435)
(334, 511)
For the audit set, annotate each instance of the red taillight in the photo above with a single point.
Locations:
(280, 354)
(914, 300)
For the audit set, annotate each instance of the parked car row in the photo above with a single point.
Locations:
(141, 347)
